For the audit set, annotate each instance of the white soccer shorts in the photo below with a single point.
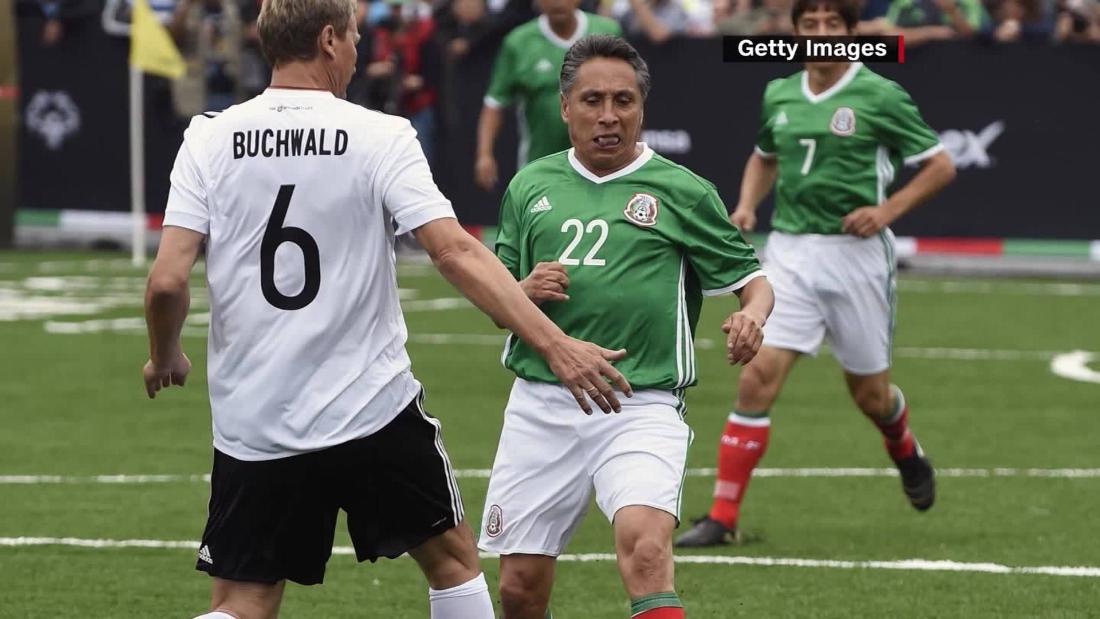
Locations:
(837, 286)
(552, 456)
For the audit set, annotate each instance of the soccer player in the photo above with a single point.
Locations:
(298, 195)
(526, 74)
(619, 245)
(830, 140)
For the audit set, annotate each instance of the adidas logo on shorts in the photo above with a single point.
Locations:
(204, 555)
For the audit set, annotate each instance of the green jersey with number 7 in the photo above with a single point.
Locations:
(838, 150)
(641, 247)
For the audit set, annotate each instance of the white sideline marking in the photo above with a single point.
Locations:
(959, 354)
(1057, 289)
(434, 305)
(196, 326)
(817, 472)
(1075, 366)
(922, 565)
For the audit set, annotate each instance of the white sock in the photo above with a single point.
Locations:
(470, 600)
(217, 614)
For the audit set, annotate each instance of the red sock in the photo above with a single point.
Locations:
(895, 430)
(665, 612)
(742, 445)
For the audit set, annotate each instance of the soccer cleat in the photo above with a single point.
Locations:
(918, 479)
(706, 532)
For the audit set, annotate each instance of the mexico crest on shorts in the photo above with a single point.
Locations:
(642, 210)
(495, 523)
(843, 122)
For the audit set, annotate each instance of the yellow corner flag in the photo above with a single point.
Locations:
(151, 47)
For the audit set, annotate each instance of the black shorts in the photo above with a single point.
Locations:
(271, 520)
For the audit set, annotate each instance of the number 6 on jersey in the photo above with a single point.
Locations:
(274, 236)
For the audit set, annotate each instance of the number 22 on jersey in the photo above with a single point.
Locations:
(579, 231)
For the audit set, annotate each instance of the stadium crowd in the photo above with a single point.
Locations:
(412, 49)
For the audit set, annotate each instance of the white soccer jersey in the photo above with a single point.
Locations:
(300, 195)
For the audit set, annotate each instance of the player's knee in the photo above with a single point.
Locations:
(650, 556)
(522, 592)
(449, 559)
(757, 386)
(872, 401)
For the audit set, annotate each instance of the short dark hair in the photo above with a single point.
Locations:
(847, 9)
(602, 46)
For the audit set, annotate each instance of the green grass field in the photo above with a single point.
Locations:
(975, 359)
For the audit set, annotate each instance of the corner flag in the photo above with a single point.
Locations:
(151, 47)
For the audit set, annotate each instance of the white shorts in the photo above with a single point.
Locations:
(551, 456)
(839, 286)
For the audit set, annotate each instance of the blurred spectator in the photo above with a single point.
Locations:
(873, 9)
(1021, 20)
(404, 69)
(660, 20)
(462, 27)
(760, 17)
(357, 88)
(1077, 21)
(209, 36)
(254, 71)
(937, 19)
(60, 15)
(920, 21)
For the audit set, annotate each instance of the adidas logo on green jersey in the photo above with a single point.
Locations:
(543, 204)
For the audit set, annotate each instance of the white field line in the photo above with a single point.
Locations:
(958, 354)
(1029, 289)
(196, 327)
(922, 565)
(818, 472)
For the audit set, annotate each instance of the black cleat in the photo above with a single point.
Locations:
(918, 479)
(706, 532)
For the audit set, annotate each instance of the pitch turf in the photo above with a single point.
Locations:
(973, 357)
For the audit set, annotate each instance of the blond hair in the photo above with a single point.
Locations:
(289, 29)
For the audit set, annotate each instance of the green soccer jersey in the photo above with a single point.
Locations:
(641, 248)
(838, 150)
(526, 73)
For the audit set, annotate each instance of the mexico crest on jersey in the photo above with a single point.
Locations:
(843, 122)
(642, 210)
(495, 523)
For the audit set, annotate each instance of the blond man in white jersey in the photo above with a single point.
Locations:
(298, 196)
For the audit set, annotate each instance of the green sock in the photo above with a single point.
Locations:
(664, 599)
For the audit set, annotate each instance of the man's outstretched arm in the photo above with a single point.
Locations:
(582, 367)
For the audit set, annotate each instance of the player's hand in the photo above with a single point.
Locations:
(744, 219)
(865, 221)
(485, 172)
(744, 335)
(546, 282)
(585, 370)
(159, 377)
